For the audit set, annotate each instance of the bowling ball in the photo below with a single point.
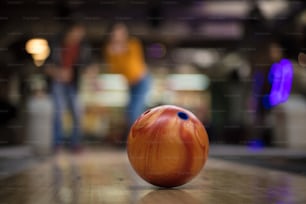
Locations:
(167, 146)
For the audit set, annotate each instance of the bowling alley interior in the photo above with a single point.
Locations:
(144, 101)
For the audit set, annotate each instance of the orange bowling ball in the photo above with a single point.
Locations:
(167, 146)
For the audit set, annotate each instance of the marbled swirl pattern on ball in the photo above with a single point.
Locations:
(165, 149)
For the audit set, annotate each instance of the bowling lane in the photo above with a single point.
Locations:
(105, 176)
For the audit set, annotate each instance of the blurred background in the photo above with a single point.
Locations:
(212, 57)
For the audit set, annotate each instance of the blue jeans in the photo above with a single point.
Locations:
(65, 95)
(138, 93)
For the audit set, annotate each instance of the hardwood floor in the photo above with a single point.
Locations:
(105, 176)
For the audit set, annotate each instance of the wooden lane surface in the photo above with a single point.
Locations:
(105, 176)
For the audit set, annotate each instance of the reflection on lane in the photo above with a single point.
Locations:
(168, 196)
(105, 176)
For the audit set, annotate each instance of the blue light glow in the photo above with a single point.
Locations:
(255, 145)
(280, 78)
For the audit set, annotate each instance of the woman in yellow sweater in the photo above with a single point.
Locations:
(124, 55)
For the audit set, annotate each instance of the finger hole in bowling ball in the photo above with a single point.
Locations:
(146, 112)
(182, 115)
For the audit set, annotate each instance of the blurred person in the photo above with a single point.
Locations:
(124, 55)
(70, 53)
(268, 53)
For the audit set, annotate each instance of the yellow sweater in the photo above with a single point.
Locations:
(129, 63)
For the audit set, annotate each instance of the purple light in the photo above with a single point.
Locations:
(280, 77)
(255, 145)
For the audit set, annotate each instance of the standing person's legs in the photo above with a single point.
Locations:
(76, 113)
(58, 96)
(138, 93)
